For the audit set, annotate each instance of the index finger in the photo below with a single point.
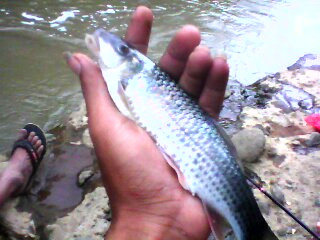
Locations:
(139, 29)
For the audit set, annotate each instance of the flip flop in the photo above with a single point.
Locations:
(34, 157)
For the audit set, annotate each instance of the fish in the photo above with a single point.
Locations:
(192, 142)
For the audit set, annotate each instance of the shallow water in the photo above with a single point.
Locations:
(259, 37)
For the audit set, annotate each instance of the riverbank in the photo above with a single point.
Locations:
(67, 200)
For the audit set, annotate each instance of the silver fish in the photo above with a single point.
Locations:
(190, 140)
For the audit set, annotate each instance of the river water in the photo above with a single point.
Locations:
(259, 37)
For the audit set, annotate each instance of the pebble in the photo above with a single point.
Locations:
(277, 193)
(86, 139)
(249, 143)
(271, 152)
(314, 140)
(84, 176)
(282, 232)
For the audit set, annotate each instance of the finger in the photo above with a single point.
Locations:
(34, 140)
(31, 135)
(179, 49)
(22, 134)
(138, 33)
(38, 144)
(212, 96)
(40, 150)
(194, 76)
(102, 113)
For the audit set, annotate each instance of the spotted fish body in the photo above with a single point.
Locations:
(191, 141)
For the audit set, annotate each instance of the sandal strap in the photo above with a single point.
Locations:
(25, 144)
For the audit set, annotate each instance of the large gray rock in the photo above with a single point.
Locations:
(87, 221)
(249, 143)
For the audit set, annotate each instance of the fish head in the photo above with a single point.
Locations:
(114, 54)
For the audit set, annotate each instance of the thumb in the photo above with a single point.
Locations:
(102, 113)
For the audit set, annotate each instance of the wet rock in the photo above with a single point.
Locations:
(249, 143)
(227, 94)
(314, 140)
(292, 98)
(277, 193)
(84, 176)
(17, 224)
(86, 139)
(78, 119)
(86, 221)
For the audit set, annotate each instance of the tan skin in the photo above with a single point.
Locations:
(146, 198)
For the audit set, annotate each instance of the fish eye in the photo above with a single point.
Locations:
(123, 49)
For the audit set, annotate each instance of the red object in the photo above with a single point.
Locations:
(314, 121)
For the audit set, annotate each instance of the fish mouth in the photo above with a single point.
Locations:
(107, 48)
(92, 42)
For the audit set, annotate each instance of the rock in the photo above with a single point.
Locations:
(314, 140)
(78, 119)
(84, 176)
(86, 139)
(227, 94)
(282, 231)
(271, 152)
(317, 202)
(277, 193)
(17, 224)
(283, 121)
(264, 206)
(249, 143)
(86, 221)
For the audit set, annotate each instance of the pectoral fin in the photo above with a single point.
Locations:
(219, 227)
(171, 163)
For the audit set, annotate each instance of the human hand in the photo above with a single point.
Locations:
(146, 198)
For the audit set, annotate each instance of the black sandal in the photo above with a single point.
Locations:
(34, 157)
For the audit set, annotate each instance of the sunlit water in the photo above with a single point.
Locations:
(259, 37)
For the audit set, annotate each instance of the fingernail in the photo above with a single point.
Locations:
(202, 48)
(20, 134)
(221, 55)
(73, 62)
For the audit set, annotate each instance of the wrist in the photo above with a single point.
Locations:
(143, 226)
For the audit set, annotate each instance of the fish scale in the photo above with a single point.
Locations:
(225, 174)
(191, 141)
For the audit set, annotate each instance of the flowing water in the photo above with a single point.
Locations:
(259, 37)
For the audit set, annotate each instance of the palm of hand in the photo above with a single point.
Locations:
(147, 186)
